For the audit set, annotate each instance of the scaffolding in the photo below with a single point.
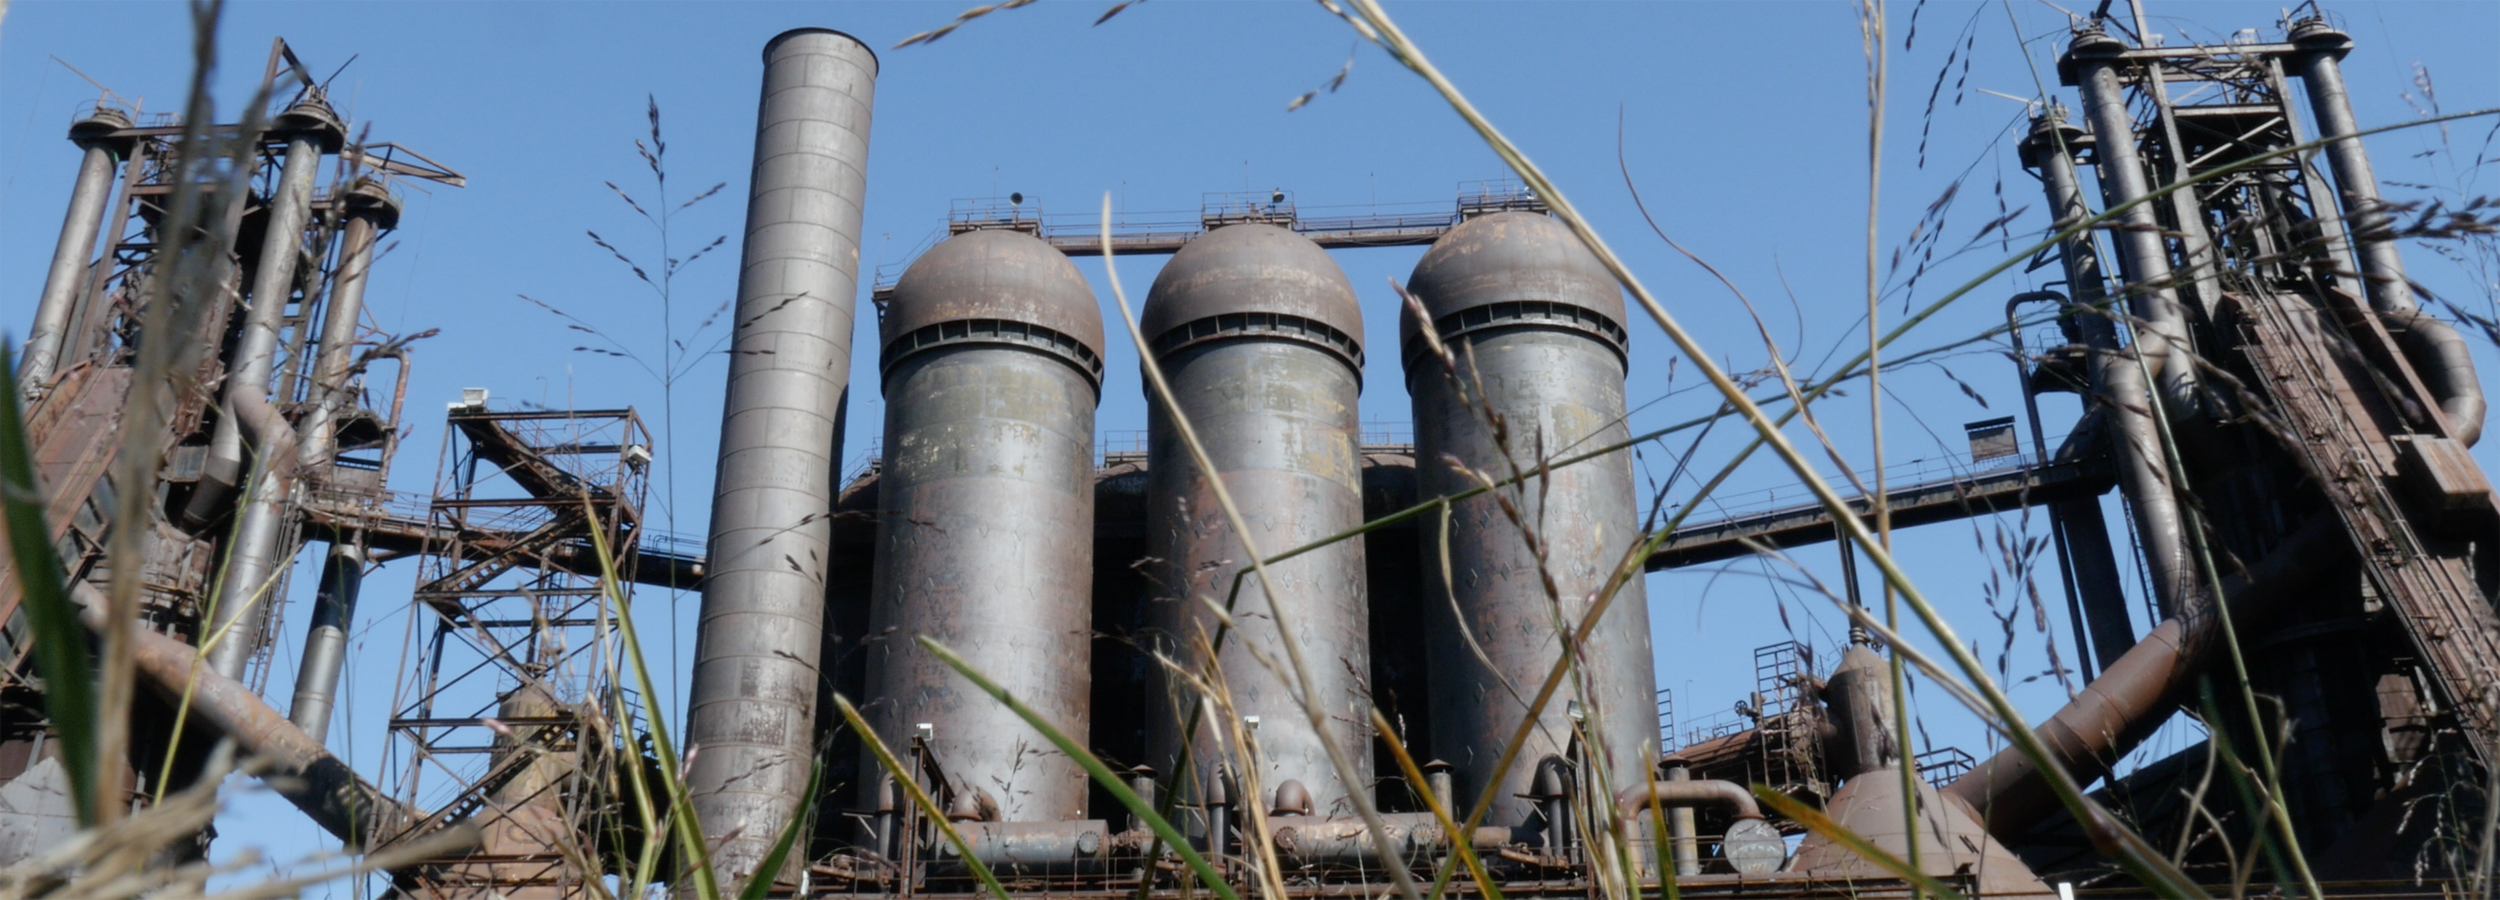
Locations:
(510, 716)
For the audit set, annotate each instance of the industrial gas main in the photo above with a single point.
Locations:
(1488, 608)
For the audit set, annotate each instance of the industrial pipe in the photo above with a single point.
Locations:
(2445, 363)
(325, 639)
(2132, 698)
(1536, 321)
(1260, 337)
(992, 364)
(2117, 384)
(1632, 803)
(371, 210)
(2162, 329)
(66, 281)
(1344, 843)
(253, 557)
(299, 769)
(2365, 215)
(752, 698)
(1041, 848)
(1682, 831)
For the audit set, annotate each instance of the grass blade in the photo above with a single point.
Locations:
(1461, 844)
(60, 642)
(1102, 774)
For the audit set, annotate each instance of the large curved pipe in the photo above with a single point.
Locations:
(2445, 363)
(1632, 802)
(2117, 384)
(2118, 710)
(299, 769)
(253, 558)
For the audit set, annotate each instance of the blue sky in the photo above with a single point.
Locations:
(1744, 126)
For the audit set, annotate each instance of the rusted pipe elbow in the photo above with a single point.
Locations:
(2444, 362)
(1728, 795)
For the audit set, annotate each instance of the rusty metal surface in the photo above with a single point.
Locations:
(1508, 258)
(1279, 419)
(1950, 839)
(1251, 268)
(1558, 389)
(752, 698)
(995, 276)
(299, 768)
(2135, 695)
(73, 430)
(985, 520)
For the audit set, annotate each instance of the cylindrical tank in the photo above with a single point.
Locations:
(752, 703)
(992, 367)
(1260, 336)
(1521, 300)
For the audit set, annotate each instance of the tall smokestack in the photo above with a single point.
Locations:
(753, 705)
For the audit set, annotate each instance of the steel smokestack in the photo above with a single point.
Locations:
(752, 704)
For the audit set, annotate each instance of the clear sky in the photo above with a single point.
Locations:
(1743, 125)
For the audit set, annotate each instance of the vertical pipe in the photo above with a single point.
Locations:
(752, 701)
(1260, 336)
(66, 280)
(2117, 384)
(991, 371)
(2153, 295)
(2382, 268)
(1682, 829)
(325, 640)
(1533, 319)
(371, 210)
(253, 558)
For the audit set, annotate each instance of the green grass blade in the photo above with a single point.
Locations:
(919, 797)
(1102, 774)
(60, 642)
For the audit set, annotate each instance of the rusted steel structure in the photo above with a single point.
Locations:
(2320, 521)
(249, 276)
